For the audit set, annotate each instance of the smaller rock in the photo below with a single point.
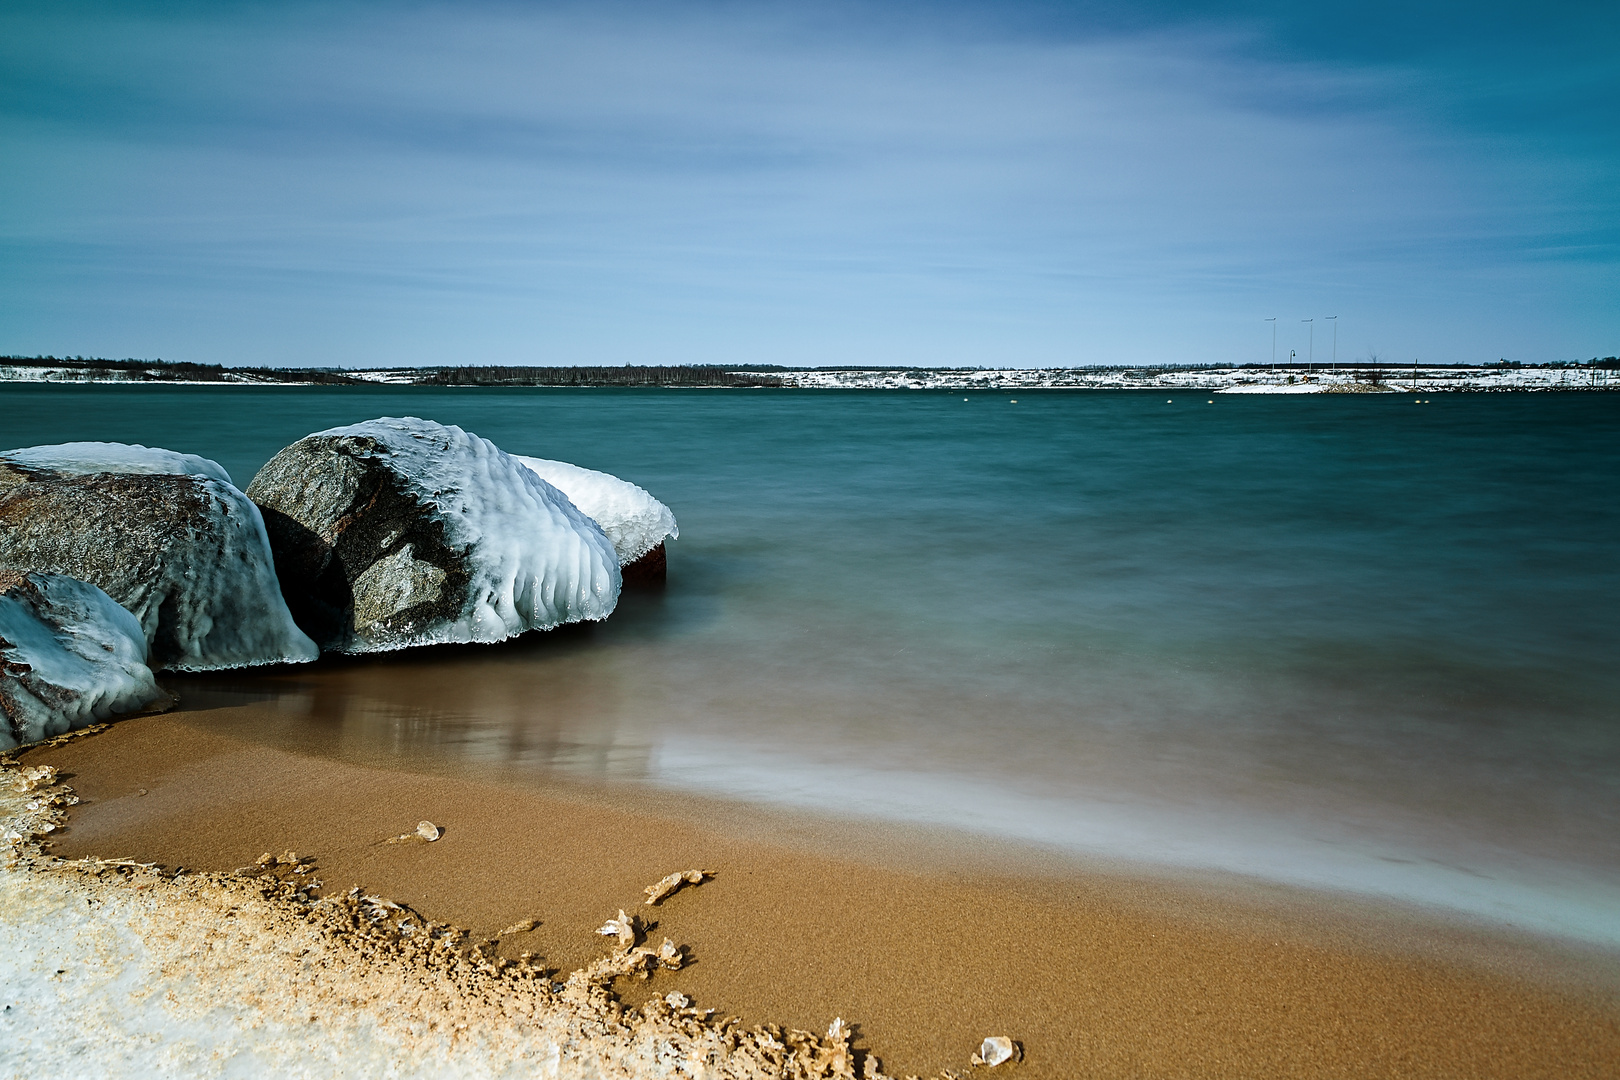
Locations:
(69, 657)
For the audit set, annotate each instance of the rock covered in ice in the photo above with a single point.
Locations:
(69, 657)
(636, 522)
(57, 462)
(399, 532)
(185, 553)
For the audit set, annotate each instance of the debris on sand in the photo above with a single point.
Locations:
(426, 832)
(520, 927)
(670, 883)
(995, 1050)
(627, 928)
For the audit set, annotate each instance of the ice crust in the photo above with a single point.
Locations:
(86, 458)
(228, 606)
(634, 520)
(534, 561)
(70, 657)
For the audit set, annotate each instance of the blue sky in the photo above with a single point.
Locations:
(1008, 184)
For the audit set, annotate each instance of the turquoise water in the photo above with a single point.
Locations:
(1348, 641)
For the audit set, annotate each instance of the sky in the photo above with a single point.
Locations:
(1008, 184)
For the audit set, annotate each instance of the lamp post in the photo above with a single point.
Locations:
(1334, 319)
(1273, 322)
(1312, 353)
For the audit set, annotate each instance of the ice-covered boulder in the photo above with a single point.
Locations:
(69, 657)
(637, 523)
(186, 554)
(36, 463)
(400, 532)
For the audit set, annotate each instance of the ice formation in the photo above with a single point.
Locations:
(634, 520)
(995, 1050)
(85, 458)
(187, 554)
(69, 657)
(400, 531)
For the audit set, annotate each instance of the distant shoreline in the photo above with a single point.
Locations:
(1251, 379)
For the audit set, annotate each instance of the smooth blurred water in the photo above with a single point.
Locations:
(1351, 641)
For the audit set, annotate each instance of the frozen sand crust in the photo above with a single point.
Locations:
(118, 969)
(632, 519)
(69, 656)
(470, 547)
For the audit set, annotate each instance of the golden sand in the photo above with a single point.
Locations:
(922, 959)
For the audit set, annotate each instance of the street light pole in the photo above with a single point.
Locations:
(1334, 319)
(1312, 353)
(1273, 322)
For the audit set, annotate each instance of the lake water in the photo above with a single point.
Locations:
(1350, 641)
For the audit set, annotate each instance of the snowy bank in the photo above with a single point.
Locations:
(633, 520)
(69, 657)
(399, 532)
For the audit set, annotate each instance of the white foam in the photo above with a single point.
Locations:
(74, 638)
(536, 562)
(634, 520)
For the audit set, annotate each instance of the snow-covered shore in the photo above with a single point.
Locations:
(1300, 379)
(1295, 380)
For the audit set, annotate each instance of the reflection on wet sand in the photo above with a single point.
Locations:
(444, 707)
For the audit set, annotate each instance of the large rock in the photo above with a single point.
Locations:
(633, 520)
(69, 657)
(186, 554)
(400, 532)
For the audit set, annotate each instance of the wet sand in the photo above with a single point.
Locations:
(925, 944)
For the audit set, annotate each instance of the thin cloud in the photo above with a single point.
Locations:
(741, 183)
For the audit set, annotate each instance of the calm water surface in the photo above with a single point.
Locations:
(1346, 641)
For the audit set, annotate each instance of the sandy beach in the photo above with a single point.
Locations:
(925, 944)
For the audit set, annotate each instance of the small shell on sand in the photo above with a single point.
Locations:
(995, 1050)
(427, 830)
(667, 885)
